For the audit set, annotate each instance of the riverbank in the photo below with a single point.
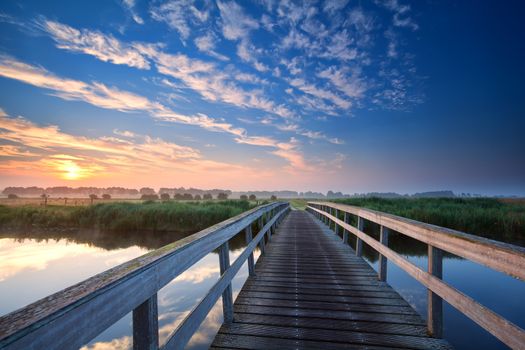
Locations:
(120, 216)
(487, 217)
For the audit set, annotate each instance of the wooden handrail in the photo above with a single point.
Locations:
(75, 315)
(508, 257)
(503, 257)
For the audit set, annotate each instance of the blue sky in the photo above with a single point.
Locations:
(344, 95)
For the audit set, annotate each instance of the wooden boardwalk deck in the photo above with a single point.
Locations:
(311, 291)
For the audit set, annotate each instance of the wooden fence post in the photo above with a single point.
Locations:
(261, 242)
(383, 238)
(249, 237)
(227, 296)
(358, 241)
(345, 232)
(336, 228)
(435, 303)
(146, 325)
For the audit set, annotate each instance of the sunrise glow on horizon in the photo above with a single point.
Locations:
(384, 95)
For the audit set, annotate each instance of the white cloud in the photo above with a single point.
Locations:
(332, 6)
(130, 6)
(235, 23)
(401, 13)
(179, 15)
(206, 44)
(345, 80)
(325, 94)
(104, 47)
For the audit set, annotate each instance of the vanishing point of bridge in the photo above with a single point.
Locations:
(309, 289)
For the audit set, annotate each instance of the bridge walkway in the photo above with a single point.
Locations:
(311, 291)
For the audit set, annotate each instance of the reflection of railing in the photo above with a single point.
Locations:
(499, 256)
(74, 316)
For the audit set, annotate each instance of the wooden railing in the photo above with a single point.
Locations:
(71, 318)
(499, 256)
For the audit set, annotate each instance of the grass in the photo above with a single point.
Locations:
(488, 217)
(119, 216)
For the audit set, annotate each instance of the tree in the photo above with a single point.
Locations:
(244, 197)
(12, 196)
(106, 196)
(165, 196)
(178, 196)
(273, 197)
(207, 196)
(197, 197)
(92, 197)
(149, 197)
(222, 196)
(146, 190)
(45, 197)
(252, 197)
(187, 196)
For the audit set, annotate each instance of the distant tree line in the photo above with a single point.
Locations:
(182, 193)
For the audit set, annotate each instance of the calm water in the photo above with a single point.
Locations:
(34, 265)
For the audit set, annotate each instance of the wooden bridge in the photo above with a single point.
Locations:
(308, 289)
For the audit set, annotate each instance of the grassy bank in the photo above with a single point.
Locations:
(488, 217)
(156, 216)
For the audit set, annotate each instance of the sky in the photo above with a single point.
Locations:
(352, 96)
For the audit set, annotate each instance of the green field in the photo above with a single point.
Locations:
(488, 217)
(156, 216)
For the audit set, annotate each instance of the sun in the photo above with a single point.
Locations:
(71, 171)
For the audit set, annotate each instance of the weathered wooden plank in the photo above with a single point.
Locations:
(146, 325)
(383, 239)
(372, 293)
(342, 325)
(227, 295)
(251, 261)
(327, 306)
(362, 299)
(434, 302)
(225, 341)
(335, 336)
(334, 315)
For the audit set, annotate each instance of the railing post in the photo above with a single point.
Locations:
(249, 237)
(435, 303)
(345, 232)
(336, 228)
(261, 242)
(358, 241)
(146, 325)
(227, 297)
(383, 238)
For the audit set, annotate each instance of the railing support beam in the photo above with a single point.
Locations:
(146, 325)
(435, 303)
(249, 237)
(345, 232)
(261, 242)
(227, 296)
(359, 241)
(336, 227)
(383, 239)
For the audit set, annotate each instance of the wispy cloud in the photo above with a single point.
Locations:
(206, 44)
(235, 23)
(129, 5)
(105, 47)
(180, 15)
